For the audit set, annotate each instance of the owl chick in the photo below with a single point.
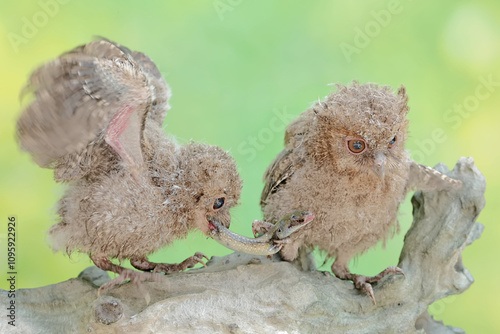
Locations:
(344, 160)
(96, 121)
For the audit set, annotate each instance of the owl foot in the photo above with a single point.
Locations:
(390, 270)
(167, 268)
(363, 283)
(124, 274)
(260, 227)
(134, 277)
(360, 282)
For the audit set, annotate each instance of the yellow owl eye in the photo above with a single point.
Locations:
(392, 142)
(356, 145)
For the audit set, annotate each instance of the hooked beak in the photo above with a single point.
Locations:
(379, 165)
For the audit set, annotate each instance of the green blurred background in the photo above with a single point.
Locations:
(240, 70)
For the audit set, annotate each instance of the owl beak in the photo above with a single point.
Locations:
(379, 165)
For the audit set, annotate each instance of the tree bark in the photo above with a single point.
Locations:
(241, 293)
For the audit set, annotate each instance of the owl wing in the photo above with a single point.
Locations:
(288, 161)
(96, 92)
(426, 178)
(159, 88)
(277, 174)
(160, 92)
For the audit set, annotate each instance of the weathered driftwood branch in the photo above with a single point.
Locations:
(247, 294)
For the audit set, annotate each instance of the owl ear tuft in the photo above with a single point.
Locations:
(402, 91)
(342, 88)
(403, 104)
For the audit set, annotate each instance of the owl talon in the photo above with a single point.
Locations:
(134, 277)
(362, 284)
(167, 268)
(197, 258)
(260, 227)
(389, 270)
(124, 274)
(190, 262)
(367, 288)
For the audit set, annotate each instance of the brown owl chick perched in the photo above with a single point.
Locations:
(344, 160)
(96, 120)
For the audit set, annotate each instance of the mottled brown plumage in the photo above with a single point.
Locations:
(344, 160)
(96, 120)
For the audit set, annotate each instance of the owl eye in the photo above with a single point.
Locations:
(356, 145)
(219, 203)
(392, 142)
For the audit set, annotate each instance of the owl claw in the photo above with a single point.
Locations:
(389, 270)
(281, 242)
(145, 265)
(367, 288)
(135, 277)
(190, 262)
(260, 227)
(363, 283)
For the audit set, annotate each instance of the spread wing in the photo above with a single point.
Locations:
(159, 88)
(160, 92)
(94, 93)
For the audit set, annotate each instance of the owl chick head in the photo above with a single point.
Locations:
(214, 183)
(362, 128)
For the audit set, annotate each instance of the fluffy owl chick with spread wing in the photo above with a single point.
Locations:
(96, 120)
(344, 160)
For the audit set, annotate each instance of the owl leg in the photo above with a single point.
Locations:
(290, 250)
(123, 135)
(102, 262)
(167, 268)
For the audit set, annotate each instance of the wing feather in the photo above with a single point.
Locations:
(77, 95)
(287, 162)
